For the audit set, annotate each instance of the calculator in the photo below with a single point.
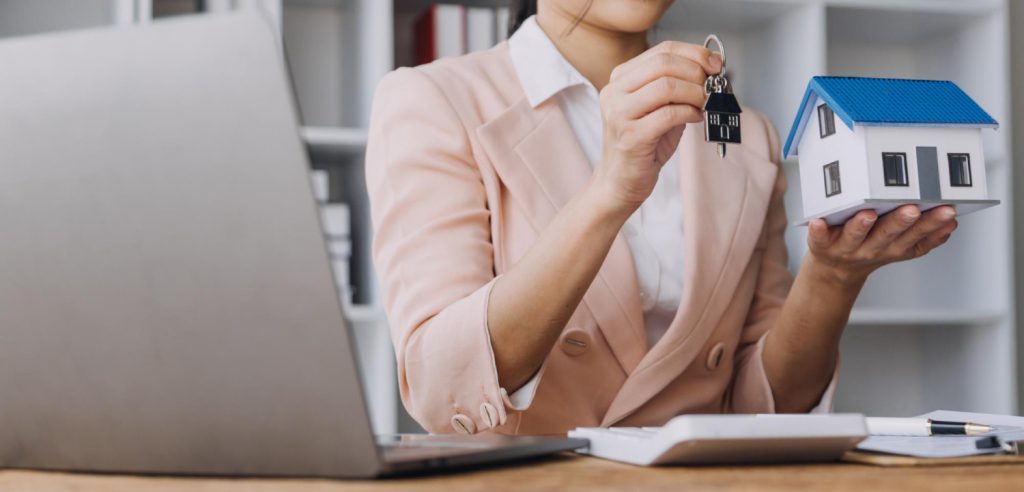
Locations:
(721, 439)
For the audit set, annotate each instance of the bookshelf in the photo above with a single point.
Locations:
(934, 333)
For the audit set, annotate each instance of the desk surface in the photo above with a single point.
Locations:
(569, 472)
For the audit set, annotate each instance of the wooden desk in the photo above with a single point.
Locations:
(568, 472)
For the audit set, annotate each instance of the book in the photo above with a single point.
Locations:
(321, 185)
(440, 32)
(336, 219)
(481, 28)
(501, 20)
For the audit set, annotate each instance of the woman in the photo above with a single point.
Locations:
(558, 246)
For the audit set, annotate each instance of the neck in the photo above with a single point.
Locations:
(592, 50)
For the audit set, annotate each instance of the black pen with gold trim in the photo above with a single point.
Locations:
(887, 426)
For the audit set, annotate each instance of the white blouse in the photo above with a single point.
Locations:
(655, 231)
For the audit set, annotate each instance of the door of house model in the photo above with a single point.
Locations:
(928, 173)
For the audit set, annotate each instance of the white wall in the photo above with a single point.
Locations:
(845, 146)
(945, 140)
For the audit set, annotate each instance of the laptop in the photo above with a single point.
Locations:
(166, 300)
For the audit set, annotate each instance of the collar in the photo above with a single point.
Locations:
(541, 68)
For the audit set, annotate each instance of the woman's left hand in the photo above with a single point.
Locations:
(866, 242)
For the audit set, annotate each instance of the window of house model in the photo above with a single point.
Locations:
(959, 169)
(826, 120)
(832, 184)
(894, 166)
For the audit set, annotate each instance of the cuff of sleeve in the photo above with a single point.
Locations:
(751, 391)
(451, 379)
(521, 398)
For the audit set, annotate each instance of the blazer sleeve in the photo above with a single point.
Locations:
(751, 392)
(432, 251)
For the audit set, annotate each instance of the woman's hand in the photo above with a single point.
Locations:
(866, 242)
(645, 106)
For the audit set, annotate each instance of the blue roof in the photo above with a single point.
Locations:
(889, 102)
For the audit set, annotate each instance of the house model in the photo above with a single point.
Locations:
(867, 143)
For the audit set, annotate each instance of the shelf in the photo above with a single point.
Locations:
(923, 316)
(318, 3)
(896, 27)
(926, 6)
(334, 140)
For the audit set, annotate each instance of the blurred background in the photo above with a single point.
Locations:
(935, 333)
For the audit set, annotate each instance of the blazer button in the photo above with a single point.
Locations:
(715, 356)
(489, 414)
(463, 424)
(575, 342)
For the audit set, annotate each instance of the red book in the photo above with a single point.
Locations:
(440, 32)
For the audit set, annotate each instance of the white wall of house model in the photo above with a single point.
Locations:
(884, 164)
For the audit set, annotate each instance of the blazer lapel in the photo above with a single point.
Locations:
(540, 162)
(725, 202)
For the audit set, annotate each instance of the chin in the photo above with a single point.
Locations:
(627, 15)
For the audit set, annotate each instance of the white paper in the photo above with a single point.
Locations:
(947, 446)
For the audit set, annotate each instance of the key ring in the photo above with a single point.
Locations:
(721, 47)
(716, 83)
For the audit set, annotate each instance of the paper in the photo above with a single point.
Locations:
(947, 446)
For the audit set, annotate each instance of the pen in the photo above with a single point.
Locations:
(885, 426)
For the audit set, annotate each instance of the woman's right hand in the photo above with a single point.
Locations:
(645, 107)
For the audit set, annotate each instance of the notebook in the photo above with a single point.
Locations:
(909, 450)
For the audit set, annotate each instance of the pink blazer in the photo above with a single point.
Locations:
(463, 174)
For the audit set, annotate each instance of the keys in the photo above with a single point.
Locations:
(721, 109)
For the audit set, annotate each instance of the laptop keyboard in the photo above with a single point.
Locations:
(427, 442)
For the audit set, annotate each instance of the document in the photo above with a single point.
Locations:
(1008, 427)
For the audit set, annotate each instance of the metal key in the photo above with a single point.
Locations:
(721, 110)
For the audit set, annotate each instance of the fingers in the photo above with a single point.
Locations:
(650, 68)
(712, 63)
(934, 240)
(665, 118)
(701, 55)
(891, 227)
(910, 243)
(818, 236)
(652, 87)
(662, 91)
(864, 243)
(854, 231)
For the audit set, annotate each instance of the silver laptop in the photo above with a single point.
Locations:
(166, 300)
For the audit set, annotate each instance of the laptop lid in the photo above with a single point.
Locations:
(166, 301)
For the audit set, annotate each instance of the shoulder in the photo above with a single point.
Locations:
(482, 81)
(492, 67)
